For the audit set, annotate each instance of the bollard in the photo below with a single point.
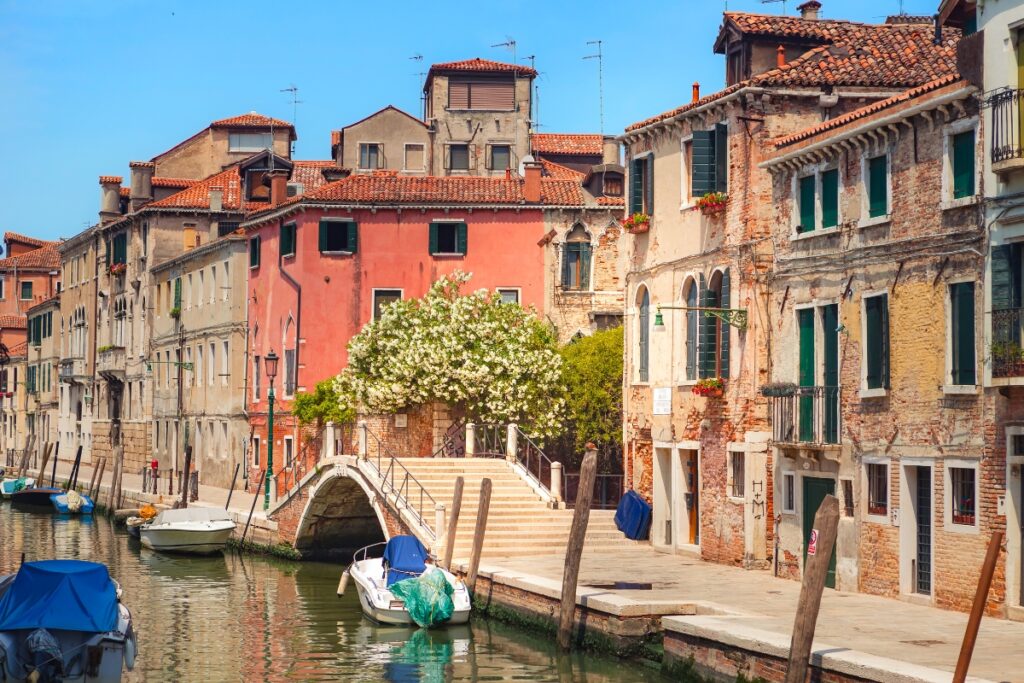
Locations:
(556, 480)
(470, 439)
(512, 442)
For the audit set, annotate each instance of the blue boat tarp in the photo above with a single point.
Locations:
(60, 594)
(405, 557)
(633, 516)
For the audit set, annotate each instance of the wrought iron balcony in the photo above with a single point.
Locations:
(110, 363)
(809, 417)
(1006, 352)
(1006, 130)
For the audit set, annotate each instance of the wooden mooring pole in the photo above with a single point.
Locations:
(259, 491)
(963, 662)
(231, 490)
(94, 493)
(41, 479)
(478, 535)
(574, 549)
(188, 469)
(453, 523)
(823, 538)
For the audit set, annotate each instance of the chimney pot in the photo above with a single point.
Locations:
(696, 91)
(780, 57)
(110, 197)
(531, 181)
(142, 183)
(810, 9)
(216, 198)
(611, 151)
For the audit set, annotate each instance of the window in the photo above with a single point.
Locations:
(788, 492)
(508, 296)
(188, 291)
(961, 160)
(337, 237)
(177, 293)
(878, 489)
(3, 289)
(198, 374)
(119, 252)
(606, 321)
(876, 329)
(255, 451)
(201, 289)
(877, 186)
(370, 155)
(685, 171)
(254, 251)
(255, 379)
(737, 474)
(458, 157)
(692, 335)
(212, 365)
(809, 187)
(641, 185)
(26, 290)
(830, 198)
(806, 199)
(415, 157)
(501, 157)
(288, 239)
(644, 336)
(225, 291)
(490, 95)
(226, 227)
(224, 363)
(576, 259)
(961, 333)
(710, 161)
(289, 451)
(714, 334)
(383, 297)
(213, 284)
(289, 372)
(249, 142)
(963, 484)
(448, 238)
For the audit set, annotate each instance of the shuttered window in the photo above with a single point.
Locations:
(713, 350)
(962, 150)
(703, 166)
(649, 186)
(961, 299)
(288, 239)
(254, 252)
(637, 171)
(120, 248)
(481, 95)
(721, 157)
(458, 94)
(806, 200)
(878, 186)
(576, 266)
(830, 198)
(691, 332)
(177, 293)
(830, 335)
(805, 323)
(644, 337)
(337, 237)
(448, 238)
(876, 311)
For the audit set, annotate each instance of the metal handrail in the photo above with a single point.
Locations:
(403, 491)
(291, 476)
(528, 451)
(491, 441)
(451, 445)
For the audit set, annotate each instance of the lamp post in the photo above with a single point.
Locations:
(271, 361)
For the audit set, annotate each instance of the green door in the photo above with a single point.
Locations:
(815, 490)
(830, 325)
(805, 320)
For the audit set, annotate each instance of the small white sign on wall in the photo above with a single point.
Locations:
(662, 401)
(401, 420)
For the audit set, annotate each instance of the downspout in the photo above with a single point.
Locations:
(298, 302)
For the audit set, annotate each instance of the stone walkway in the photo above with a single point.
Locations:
(724, 596)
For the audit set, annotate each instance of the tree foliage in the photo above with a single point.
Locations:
(592, 374)
(497, 361)
(321, 406)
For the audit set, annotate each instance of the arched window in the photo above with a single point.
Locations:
(644, 335)
(713, 351)
(690, 299)
(576, 259)
(289, 357)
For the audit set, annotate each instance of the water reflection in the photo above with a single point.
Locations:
(235, 618)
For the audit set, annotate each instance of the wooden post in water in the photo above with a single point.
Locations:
(478, 534)
(73, 477)
(53, 476)
(41, 479)
(574, 548)
(95, 493)
(259, 490)
(453, 523)
(92, 478)
(188, 468)
(231, 490)
(116, 476)
(823, 535)
(963, 662)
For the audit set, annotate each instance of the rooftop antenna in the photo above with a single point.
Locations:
(294, 90)
(768, 2)
(534, 102)
(600, 78)
(510, 44)
(423, 96)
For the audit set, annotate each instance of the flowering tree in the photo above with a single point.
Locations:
(495, 360)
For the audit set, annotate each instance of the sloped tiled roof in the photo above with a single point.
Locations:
(568, 143)
(872, 108)
(25, 239)
(197, 196)
(250, 120)
(611, 201)
(159, 181)
(672, 113)
(310, 174)
(19, 350)
(116, 179)
(482, 65)
(552, 170)
(43, 258)
(15, 321)
(390, 107)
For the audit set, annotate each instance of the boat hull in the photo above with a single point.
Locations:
(7, 487)
(381, 606)
(60, 504)
(35, 498)
(193, 539)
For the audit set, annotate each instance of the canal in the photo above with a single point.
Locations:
(239, 617)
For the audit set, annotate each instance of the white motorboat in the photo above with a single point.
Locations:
(190, 530)
(9, 486)
(404, 557)
(62, 620)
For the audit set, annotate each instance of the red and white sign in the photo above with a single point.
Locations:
(812, 544)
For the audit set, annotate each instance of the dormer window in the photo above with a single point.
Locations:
(485, 95)
(249, 142)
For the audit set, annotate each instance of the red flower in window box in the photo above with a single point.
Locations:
(712, 387)
(713, 203)
(637, 223)
(118, 268)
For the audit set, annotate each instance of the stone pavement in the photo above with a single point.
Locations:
(755, 600)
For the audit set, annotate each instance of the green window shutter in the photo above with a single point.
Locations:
(806, 191)
(724, 301)
(352, 237)
(830, 325)
(1006, 277)
(177, 292)
(254, 251)
(692, 341)
(461, 241)
(878, 191)
(120, 248)
(322, 241)
(649, 186)
(805, 323)
(708, 332)
(885, 340)
(645, 338)
(963, 164)
(288, 239)
(584, 266)
(702, 165)
(876, 309)
(721, 157)
(433, 238)
(636, 186)
(961, 297)
(830, 198)
(566, 259)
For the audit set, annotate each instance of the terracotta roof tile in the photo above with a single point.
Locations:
(181, 183)
(310, 174)
(482, 65)
(250, 120)
(557, 171)
(25, 239)
(197, 196)
(19, 350)
(567, 143)
(116, 179)
(44, 258)
(611, 201)
(672, 113)
(15, 321)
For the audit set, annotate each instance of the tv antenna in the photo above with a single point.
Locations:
(768, 2)
(534, 101)
(600, 78)
(510, 44)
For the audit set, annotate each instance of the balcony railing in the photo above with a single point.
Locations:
(1007, 332)
(1006, 125)
(110, 363)
(810, 416)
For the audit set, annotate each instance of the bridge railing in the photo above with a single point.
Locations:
(398, 484)
(510, 442)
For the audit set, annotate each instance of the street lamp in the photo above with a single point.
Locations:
(271, 365)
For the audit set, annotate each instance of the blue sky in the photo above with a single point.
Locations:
(89, 86)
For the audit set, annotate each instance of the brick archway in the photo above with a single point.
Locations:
(341, 516)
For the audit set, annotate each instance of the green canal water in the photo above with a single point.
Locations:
(246, 618)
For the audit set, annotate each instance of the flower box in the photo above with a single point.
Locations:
(712, 387)
(637, 223)
(713, 203)
(176, 312)
(118, 268)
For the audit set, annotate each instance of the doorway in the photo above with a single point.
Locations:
(922, 501)
(815, 490)
(664, 500)
(690, 471)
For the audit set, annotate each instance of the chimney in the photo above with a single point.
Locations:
(531, 183)
(142, 183)
(216, 198)
(696, 91)
(278, 186)
(809, 10)
(110, 197)
(780, 57)
(335, 173)
(611, 151)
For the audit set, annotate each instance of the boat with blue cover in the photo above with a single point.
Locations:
(9, 486)
(72, 503)
(63, 621)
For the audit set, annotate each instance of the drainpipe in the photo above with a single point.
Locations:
(298, 302)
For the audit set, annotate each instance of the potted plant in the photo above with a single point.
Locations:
(713, 203)
(118, 268)
(176, 312)
(1007, 358)
(637, 223)
(712, 387)
(777, 389)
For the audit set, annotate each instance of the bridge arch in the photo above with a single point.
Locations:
(341, 515)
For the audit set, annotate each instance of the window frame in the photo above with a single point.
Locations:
(865, 390)
(644, 325)
(950, 385)
(288, 448)
(949, 201)
(868, 464)
(737, 457)
(255, 249)
(405, 157)
(818, 227)
(256, 455)
(866, 219)
(449, 157)
(286, 228)
(949, 465)
(686, 319)
(21, 290)
(350, 239)
(373, 298)
(490, 155)
(433, 245)
(514, 290)
(645, 160)
(788, 479)
(380, 156)
(686, 200)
